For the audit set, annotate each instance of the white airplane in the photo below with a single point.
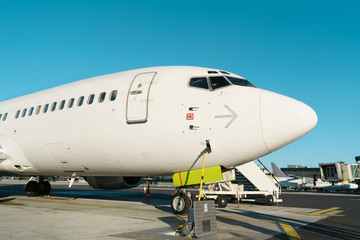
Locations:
(296, 182)
(329, 187)
(115, 128)
(310, 183)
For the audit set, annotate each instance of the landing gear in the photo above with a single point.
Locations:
(34, 188)
(181, 202)
(44, 188)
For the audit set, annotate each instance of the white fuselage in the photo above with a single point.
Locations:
(157, 125)
(308, 183)
(304, 182)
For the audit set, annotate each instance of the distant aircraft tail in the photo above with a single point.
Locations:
(276, 171)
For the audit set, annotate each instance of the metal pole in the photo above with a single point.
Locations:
(202, 175)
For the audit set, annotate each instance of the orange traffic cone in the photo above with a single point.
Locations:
(147, 197)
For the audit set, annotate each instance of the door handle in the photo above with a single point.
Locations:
(192, 127)
(135, 92)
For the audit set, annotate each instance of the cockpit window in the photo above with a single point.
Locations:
(240, 82)
(218, 82)
(200, 82)
(223, 72)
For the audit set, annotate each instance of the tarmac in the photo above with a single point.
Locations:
(83, 213)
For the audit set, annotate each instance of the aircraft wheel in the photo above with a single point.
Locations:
(180, 203)
(269, 200)
(32, 189)
(222, 201)
(44, 188)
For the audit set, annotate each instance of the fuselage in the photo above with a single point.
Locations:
(152, 121)
(304, 182)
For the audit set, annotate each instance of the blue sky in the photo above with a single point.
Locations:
(308, 50)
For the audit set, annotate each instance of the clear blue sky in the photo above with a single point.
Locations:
(308, 50)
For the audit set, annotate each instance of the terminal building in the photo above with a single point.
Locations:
(301, 171)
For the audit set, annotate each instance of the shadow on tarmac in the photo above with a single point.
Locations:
(84, 191)
(161, 200)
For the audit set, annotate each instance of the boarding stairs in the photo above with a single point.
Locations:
(240, 179)
(259, 179)
(246, 182)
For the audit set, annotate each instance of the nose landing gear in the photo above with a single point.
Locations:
(182, 201)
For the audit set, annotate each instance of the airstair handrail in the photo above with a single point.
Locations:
(272, 175)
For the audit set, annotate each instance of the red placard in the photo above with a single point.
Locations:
(189, 116)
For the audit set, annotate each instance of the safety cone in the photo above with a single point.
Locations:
(144, 189)
(147, 197)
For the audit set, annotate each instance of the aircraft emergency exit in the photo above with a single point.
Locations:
(115, 128)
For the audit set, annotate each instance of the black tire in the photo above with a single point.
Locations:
(180, 203)
(222, 201)
(32, 189)
(44, 188)
(269, 200)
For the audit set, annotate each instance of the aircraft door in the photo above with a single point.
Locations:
(138, 98)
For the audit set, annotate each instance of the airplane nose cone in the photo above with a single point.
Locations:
(284, 119)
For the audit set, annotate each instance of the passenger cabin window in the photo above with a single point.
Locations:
(113, 95)
(38, 110)
(46, 108)
(31, 111)
(102, 97)
(218, 82)
(71, 103)
(91, 99)
(5, 116)
(62, 105)
(53, 106)
(199, 83)
(24, 112)
(240, 82)
(80, 101)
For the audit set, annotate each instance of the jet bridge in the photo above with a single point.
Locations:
(340, 172)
